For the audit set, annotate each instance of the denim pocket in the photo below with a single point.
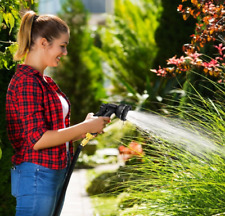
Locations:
(15, 179)
(49, 180)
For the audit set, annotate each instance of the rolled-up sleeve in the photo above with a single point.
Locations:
(31, 109)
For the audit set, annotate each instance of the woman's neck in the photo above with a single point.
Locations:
(33, 60)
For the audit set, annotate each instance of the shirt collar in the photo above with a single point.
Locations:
(28, 69)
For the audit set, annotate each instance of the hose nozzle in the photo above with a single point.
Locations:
(119, 110)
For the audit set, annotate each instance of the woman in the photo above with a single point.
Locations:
(38, 117)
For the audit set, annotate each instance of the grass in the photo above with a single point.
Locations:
(172, 180)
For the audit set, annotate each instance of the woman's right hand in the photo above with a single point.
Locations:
(96, 124)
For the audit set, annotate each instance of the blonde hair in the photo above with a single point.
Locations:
(33, 26)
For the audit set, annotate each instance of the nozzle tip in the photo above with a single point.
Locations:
(122, 110)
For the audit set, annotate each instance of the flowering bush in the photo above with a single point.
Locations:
(210, 27)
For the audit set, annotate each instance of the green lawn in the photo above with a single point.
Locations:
(104, 206)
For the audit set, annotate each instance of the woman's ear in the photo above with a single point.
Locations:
(43, 43)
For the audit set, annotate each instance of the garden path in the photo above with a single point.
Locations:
(77, 201)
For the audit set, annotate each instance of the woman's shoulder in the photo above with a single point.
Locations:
(27, 70)
(25, 76)
(24, 73)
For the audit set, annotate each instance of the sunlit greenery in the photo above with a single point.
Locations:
(80, 74)
(129, 48)
(169, 180)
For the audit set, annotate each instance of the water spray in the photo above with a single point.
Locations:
(105, 110)
(181, 133)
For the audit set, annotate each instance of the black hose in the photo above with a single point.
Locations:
(66, 182)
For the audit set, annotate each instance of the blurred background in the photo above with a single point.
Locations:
(162, 57)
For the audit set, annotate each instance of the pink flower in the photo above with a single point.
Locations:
(220, 49)
(160, 72)
(212, 64)
(194, 55)
(172, 60)
(154, 70)
(176, 61)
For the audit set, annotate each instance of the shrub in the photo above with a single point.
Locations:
(9, 19)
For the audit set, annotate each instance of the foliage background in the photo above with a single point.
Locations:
(137, 38)
(172, 32)
(140, 35)
(80, 72)
(8, 23)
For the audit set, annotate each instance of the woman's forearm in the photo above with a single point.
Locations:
(52, 138)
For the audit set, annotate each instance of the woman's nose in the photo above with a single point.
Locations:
(65, 51)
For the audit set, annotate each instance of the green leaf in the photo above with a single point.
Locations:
(12, 48)
(15, 13)
(0, 153)
(5, 63)
(11, 21)
(1, 19)
(5, 17)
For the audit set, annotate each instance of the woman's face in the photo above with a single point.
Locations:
(56, 49)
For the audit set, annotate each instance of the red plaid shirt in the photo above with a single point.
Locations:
(32, 108)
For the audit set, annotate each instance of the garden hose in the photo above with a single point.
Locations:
(105, 110)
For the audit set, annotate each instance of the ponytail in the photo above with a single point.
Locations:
(33, 26)
(24, 35)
